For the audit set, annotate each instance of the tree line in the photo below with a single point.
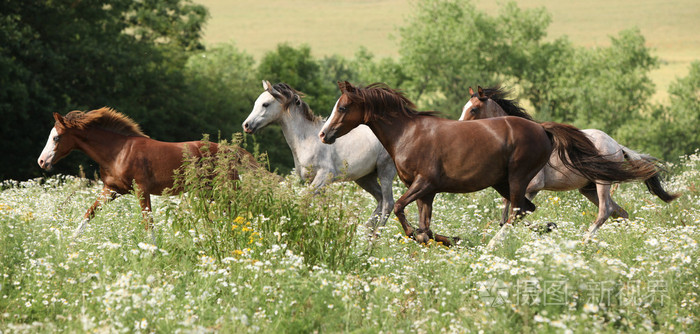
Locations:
(147, 60)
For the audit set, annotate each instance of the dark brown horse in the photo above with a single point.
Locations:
(493, 102)
(435, 155)
(125, 154)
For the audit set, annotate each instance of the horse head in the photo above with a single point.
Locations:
(347, 114)
(267, 109)
(491, 102)
(59, 144)
(480, 106)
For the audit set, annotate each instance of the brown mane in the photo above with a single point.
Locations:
(381, 101)
(291, 97)
(106, 119)
(510, 106)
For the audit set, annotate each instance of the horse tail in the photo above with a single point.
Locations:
(653, 183)
(578, 153)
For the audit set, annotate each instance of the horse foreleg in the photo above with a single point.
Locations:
(386, 172)
(322, 178)
(369, 183)
(425, 213)
(105, 196)
(416, 190)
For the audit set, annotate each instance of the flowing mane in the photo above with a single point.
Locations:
(104, 118)
(511, 107)
(292, 96)
(381, 101)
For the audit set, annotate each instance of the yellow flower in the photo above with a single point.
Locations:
(239, 220)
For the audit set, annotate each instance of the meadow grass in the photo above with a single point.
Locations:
(263, 256)
(342, 27)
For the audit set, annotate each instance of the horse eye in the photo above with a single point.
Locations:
(474, 110)
(265, 105)
(56, 138)
(342, 109)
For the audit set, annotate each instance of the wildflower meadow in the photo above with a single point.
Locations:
(272, 257)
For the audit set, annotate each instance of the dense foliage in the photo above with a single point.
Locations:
(146, 59)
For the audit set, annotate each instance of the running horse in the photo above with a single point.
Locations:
(434, 154)
(555, 176)
(358, 157)
(125, 154)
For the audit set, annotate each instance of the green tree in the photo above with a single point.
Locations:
(670, 131)
(63, 55)
(599, 88)
(298, 68)
(449, 44)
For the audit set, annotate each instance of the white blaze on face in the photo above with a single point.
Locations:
(46, 157)
(464, 110)
(335, 107)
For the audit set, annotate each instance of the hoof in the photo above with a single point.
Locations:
(550, 226)
(422, 238)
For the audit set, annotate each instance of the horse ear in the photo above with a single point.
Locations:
(471, 91)
(297, 100)
(266, 84)
(481, 92)
(59, 120)
(271, 89)
(347, 87)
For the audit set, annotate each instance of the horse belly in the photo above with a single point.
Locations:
(474, 179)
(355, 154)
(558, 177)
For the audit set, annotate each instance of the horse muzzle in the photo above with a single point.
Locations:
(248, 127)
(326, 138)
(44, 164)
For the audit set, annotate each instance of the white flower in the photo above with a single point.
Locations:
(652, 242)
(590, 308)
(147, 247)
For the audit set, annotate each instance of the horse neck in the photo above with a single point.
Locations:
(297, 129)
(100, 145)
(496, 109)
(391, 132)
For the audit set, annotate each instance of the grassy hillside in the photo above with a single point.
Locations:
(290, 262)
(340, 27)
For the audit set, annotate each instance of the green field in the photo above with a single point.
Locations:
(294, 263)
(340, 27)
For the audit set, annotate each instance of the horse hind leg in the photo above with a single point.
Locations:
(520, 205)
(600, 196)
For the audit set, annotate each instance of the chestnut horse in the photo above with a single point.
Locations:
(125, 154)
(435, 155)
(493, 102)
